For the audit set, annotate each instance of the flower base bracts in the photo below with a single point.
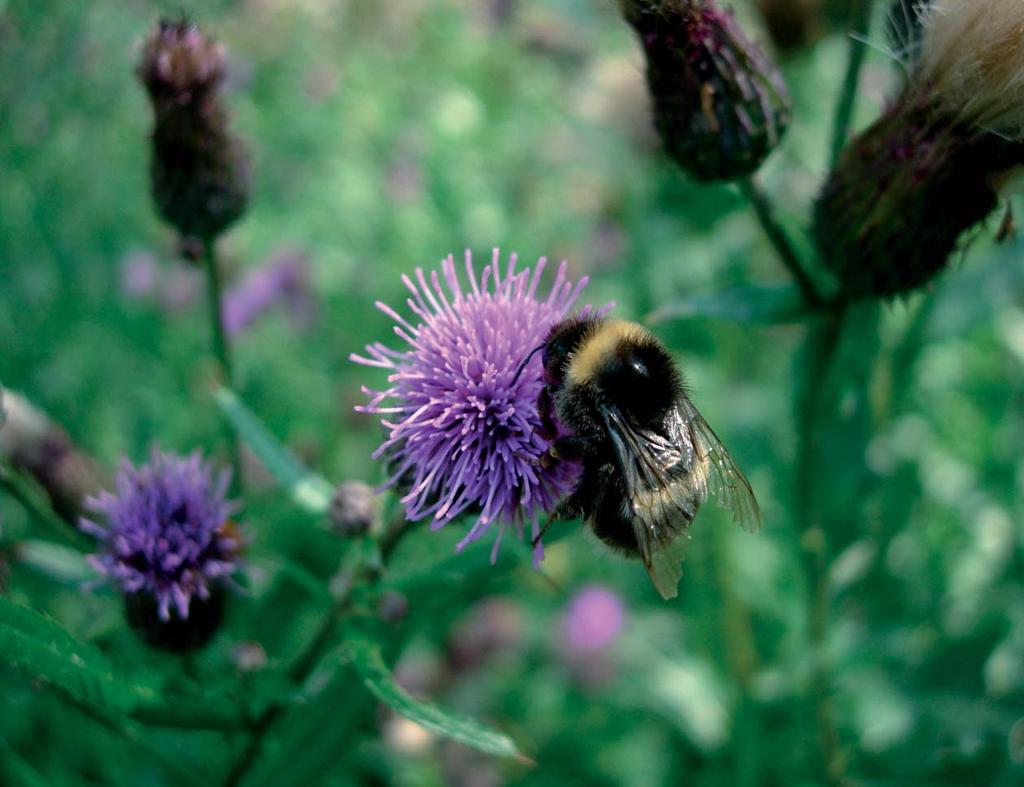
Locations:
(720, 105)
(901, 196)
(199, 172)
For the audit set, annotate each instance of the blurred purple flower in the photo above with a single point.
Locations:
(283, 280)
(593, 620)
(167, 535)
(461, 428)
(140, 275)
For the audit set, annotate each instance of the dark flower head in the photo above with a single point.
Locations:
(907, 190)
(462, 427)
(166, 539)
(199, 172)
(720, 104)
(179, 63)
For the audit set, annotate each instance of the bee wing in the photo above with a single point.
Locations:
(724, 479)
(666, 567)
(661, 506)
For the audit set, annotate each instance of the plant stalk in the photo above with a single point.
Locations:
(765, 213)
(220, 346)
(362, 571)
(860, 23)
(822, 344)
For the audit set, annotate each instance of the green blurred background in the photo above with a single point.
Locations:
(385, 136)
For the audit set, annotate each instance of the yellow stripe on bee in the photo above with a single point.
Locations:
(598, 348)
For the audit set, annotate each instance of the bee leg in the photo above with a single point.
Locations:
(537, 539)
(568, 449)
(546, 410)
(567, 509)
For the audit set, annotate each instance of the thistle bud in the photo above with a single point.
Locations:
(352, 509)
(199, 172)
(720, 105)
(34, 443)
(392, 606)
(905, 191)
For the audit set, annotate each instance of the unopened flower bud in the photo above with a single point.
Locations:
(720, 105)
(199, 172)
(906, 190)
(392, 606)
(352, 509)
(32, 442)
(249, 657)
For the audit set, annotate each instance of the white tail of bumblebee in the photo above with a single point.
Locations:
(972, 57)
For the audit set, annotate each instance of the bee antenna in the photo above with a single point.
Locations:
(526, 360)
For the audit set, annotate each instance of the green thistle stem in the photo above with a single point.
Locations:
(822, 343)
(860, 22)
(220, 345)
(743, 659)
(779, 239)
(362, 571)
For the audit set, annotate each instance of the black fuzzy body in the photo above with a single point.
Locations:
(638, 378)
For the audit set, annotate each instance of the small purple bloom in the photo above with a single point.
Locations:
(282, 281)
(462, 429)
(140, 275)
(167, 534)
(593, 620)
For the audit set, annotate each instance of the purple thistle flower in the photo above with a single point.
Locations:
(167, 536)
(462, 430)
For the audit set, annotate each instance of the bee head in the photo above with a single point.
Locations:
(639, 377)
(623, 364)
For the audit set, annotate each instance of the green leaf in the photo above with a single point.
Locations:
(58, 562)
(17, 770)
(365, 656)
(743, 303)
(40, 649)
(309, 490)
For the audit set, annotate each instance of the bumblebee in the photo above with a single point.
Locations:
(614, 400)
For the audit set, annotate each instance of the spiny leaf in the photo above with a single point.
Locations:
(307, 489)
(365, 656)
(40, 649)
